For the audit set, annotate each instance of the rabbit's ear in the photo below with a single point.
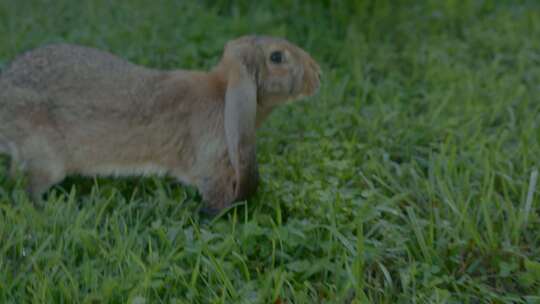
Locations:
(240, 117)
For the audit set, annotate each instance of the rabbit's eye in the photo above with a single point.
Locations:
(276, 57)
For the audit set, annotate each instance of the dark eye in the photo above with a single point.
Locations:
(276, 57)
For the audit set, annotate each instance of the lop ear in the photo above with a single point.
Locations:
(240, 118)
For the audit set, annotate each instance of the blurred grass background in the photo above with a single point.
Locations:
(410, 178)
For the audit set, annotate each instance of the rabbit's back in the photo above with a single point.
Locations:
(58, 62)
(65, 73)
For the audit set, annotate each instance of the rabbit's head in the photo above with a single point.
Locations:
(281, 70)
(260, 72)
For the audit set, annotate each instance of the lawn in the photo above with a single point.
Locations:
(410, 178)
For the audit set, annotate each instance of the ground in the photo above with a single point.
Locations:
(410, 178)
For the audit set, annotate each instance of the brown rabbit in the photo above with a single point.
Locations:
(67, 109)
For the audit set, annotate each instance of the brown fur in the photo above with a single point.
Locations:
(67, 109)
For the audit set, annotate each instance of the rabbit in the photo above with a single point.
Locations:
(68, 109)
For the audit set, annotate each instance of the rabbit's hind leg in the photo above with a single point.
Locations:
(9, 156)
(5, 156)
(43, 165)
(42, 175)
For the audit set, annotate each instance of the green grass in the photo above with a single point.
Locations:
(410, 178)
